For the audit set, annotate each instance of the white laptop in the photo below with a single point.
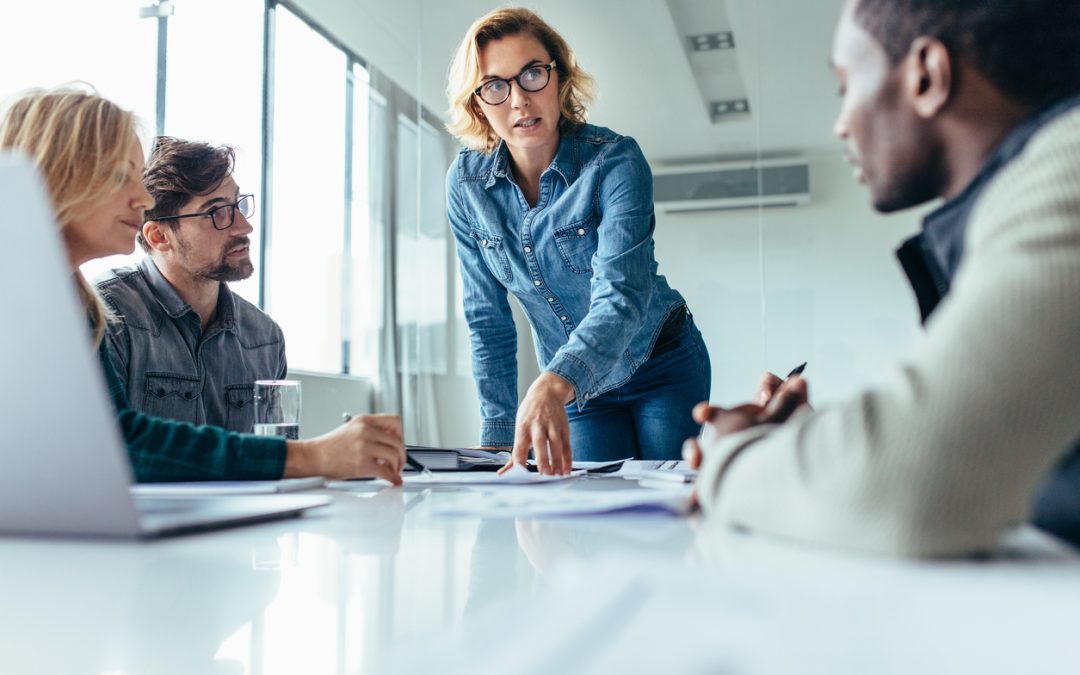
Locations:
(64, 469)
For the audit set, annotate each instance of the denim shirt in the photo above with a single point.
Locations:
(581, 263)
(170, 367)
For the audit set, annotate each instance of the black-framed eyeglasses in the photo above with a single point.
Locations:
(222, 216)
(531, 78)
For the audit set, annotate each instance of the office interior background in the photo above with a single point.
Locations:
(336, 108)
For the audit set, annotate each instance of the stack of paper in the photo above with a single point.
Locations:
(456, 459)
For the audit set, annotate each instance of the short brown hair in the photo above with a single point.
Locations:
(576, 87)
(178, 171)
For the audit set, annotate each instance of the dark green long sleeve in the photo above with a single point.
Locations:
(163, 450)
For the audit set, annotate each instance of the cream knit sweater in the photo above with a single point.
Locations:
(947, 449)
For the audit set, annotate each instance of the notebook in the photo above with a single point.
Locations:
(457, 459)
(66, 470)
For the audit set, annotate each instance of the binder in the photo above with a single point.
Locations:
(457, 459)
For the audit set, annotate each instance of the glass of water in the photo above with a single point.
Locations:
(277, 408)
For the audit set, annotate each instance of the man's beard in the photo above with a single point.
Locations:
(225, 270)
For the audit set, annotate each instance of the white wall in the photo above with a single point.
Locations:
(835, 296)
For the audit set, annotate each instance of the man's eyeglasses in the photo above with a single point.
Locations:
(532, 78)
(222, 216)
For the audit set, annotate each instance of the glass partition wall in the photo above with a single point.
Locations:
(337, 114)
(759, 223)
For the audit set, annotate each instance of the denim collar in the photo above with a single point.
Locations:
(174, 305)
(565, 164)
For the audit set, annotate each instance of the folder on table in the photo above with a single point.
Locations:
(457, 459)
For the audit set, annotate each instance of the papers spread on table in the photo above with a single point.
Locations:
(546, 504)
(517, 475)
(648, 471)
(465, 459)
(226, 487)
(591, 467)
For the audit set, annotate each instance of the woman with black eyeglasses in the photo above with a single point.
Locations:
(559, 212)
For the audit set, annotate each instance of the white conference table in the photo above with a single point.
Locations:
(379, 583)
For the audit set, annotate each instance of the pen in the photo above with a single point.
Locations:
(797, 370)
(424, 471)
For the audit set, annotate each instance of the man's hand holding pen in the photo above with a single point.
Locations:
(775, 402)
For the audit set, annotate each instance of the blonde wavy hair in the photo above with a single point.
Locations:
(79, 142)
(576, 87)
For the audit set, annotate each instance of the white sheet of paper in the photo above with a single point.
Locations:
(518, 475)
(634, 467)
(589, 466)
(542, 503)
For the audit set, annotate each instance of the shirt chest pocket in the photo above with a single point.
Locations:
(240, 415)
(491, 249)
(577, 244)
(172, 396)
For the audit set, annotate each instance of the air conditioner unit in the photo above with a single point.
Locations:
(731, 185)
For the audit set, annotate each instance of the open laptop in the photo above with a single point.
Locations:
(64, 469)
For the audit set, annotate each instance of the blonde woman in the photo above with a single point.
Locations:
(87, 149)
(559, 212)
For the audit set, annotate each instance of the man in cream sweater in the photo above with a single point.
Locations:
(977, 103)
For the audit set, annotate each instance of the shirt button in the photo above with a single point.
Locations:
(483, 242)
(528, 249)
(536, 283)
(563, 318)
(551, 299)
(581, 233)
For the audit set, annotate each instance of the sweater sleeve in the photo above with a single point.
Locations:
(163, 450)
(947, 449)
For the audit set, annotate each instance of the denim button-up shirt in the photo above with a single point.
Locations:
(171, 368)
(581, 263)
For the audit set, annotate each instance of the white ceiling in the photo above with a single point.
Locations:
(647, 89)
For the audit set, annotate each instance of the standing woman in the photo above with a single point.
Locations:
(560, 213)
(87, 151)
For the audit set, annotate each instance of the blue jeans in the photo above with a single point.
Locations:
(649, 416)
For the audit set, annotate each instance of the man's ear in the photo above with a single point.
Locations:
(157, 235)
(928, 76)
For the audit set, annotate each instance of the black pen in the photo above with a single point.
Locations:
(424, 471)
(797, 370)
